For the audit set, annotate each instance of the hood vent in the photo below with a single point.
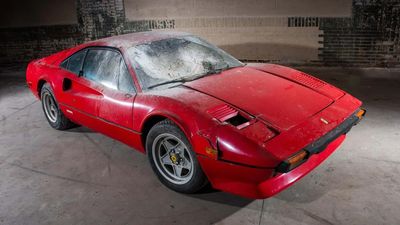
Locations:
(223, 113)
(227, 114)
(308, 80)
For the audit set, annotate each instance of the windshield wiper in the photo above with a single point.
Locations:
(195, 77)
(180, 80)
(183, 80)
(215, 71)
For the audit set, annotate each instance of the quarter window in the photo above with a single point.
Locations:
(74, 63)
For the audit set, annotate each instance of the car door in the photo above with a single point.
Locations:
(106, 67)
(80, 97)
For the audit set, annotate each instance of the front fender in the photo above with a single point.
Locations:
(189, 117)
(300, 78)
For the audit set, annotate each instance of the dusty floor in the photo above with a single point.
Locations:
(82, 177)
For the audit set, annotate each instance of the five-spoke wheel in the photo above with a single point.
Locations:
(49, 106)
(53, 114)
(173, 159)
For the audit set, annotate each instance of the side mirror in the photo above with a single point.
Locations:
(80, 74)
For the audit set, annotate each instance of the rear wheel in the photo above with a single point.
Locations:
(52, 112)
(172, 158)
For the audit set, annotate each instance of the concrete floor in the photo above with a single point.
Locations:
(82, 177)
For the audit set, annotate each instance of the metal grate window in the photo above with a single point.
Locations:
(303, 22)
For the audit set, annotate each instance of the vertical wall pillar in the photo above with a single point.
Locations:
(100, 18)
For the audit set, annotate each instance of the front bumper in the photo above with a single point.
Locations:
(282, 181)
(259, 183)
(320, 144)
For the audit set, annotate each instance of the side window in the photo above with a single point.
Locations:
(74, 62)
(125, 82)
(102, 66)
(108, 68)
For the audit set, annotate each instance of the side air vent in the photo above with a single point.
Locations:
(238, 121)
(227, 114)
(223, 112)
(67, 84)
(308, 80)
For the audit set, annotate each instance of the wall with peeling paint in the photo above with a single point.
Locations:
(162, 9)
(325, 32)
(250, 30)
(358, 33)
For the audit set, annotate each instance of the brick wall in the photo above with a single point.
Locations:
(20, 45)
(367, 38)
(371, 37)
(100, 18)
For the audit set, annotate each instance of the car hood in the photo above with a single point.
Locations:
(273, 99)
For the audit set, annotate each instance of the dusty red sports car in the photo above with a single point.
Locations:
(199, 114)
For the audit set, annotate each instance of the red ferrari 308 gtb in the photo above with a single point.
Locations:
(198, 113)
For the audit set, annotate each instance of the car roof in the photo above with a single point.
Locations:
(132, 39)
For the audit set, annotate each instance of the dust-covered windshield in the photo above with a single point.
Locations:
(174, 59)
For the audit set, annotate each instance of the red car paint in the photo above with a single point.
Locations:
(284, 108)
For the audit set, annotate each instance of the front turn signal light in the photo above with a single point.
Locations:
(360, 114)
(292, 162)
(212, 153)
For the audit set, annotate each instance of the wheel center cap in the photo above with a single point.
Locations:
(174, 158)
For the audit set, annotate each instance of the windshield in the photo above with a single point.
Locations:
(177, 59)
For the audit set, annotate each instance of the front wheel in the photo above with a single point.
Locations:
(172, 158)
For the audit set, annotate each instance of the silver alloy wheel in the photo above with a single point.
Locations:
(172, 158)
(50, 107)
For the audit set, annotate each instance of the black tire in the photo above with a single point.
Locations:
(60, 122)
(198, 179)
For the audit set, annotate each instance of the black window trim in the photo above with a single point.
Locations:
(86, 49)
